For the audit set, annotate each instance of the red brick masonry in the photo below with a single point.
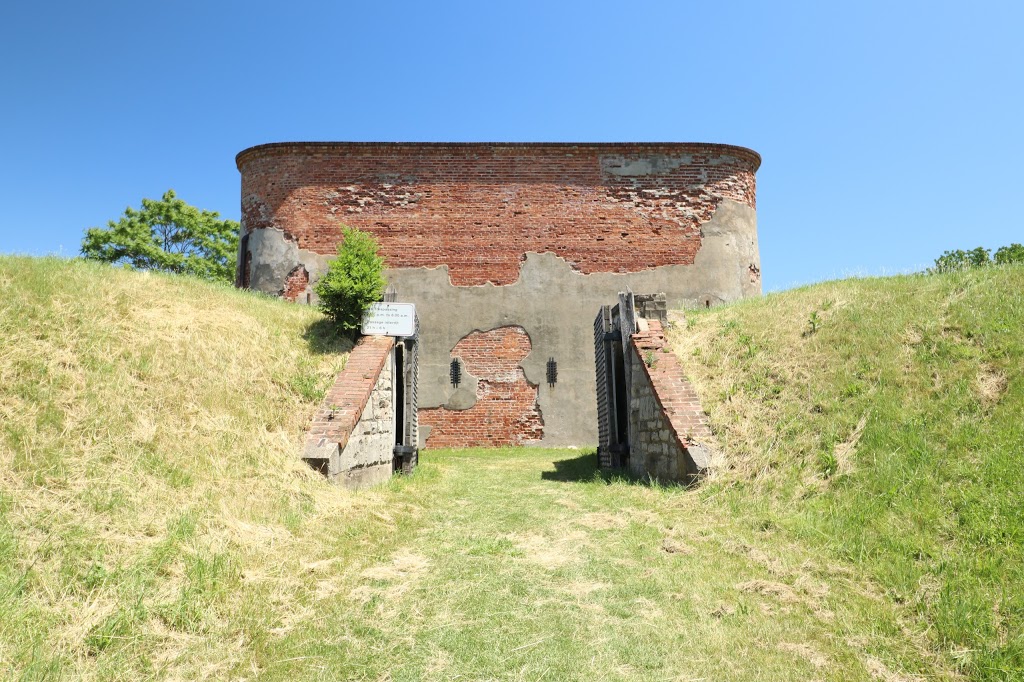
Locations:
(295, 285)
(676, 396)
(506, 411)
(343, 405)
(480, 207)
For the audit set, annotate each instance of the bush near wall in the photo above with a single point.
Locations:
(354, 280)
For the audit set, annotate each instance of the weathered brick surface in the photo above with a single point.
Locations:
(296, 285)
(676, 397)
(506, 411)
(479, 208)
(347, 398)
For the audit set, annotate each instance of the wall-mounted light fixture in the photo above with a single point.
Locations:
(552, 372)
(455, 372)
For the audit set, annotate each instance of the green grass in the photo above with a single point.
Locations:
(883, 420)
(531, 564)
(155, 522)
(148, 430)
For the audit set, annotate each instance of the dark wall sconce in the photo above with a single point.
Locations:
(455, 372)
(552, 372)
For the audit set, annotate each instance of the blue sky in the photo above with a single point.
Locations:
(890, 131)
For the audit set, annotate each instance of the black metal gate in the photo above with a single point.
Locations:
(406, 377)
(612, 391)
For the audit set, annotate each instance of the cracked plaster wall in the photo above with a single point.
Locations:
(556, 306)
(586, 223)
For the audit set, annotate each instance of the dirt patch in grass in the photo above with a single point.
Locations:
(676, 546)
(806, 652)
(991, 384)
(783, 593)
(550, 553)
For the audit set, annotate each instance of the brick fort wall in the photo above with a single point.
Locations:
(479, 208)
(583, 221)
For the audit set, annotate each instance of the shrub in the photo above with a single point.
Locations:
(353, 281)
(951, 261)
(1014, 253)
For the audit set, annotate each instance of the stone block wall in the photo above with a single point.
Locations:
(352, 437)
(669, 436)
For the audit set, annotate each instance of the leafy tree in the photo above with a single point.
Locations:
(1014, 253)
(353, 280)
(168, 235)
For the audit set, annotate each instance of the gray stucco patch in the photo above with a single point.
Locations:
(273, 256)
(556, 306)
(462, 399)
(647, 165)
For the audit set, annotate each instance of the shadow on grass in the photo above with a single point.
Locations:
(323, 337)
(586, 469)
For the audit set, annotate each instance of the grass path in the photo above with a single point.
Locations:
(530, 565)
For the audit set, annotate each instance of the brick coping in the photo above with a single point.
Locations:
(345, 401)
(676, 397)
(282, 148)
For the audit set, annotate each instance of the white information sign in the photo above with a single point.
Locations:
(390, 319)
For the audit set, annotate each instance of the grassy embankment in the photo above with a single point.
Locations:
(154, 521)
(883, 419)
(148, 431)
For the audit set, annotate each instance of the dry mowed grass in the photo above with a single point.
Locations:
(148, 482)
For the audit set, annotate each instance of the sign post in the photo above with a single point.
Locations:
(390, 319)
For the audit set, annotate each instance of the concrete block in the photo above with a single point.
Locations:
(323, 450)
(365, 477)
(700, 459)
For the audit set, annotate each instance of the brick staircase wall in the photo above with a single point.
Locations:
(669, 434)
(352, 436)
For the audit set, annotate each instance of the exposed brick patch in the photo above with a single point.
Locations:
(677, 398)
(345, 400)
(506, 411)
(295, 284)
(479, 208)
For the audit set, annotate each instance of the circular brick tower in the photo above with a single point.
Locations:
(508, 250)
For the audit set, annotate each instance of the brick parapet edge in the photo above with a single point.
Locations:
(345, 400)
(676, 397)
(332, 148)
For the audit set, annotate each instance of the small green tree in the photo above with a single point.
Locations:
(168, 235)
(353, 280)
